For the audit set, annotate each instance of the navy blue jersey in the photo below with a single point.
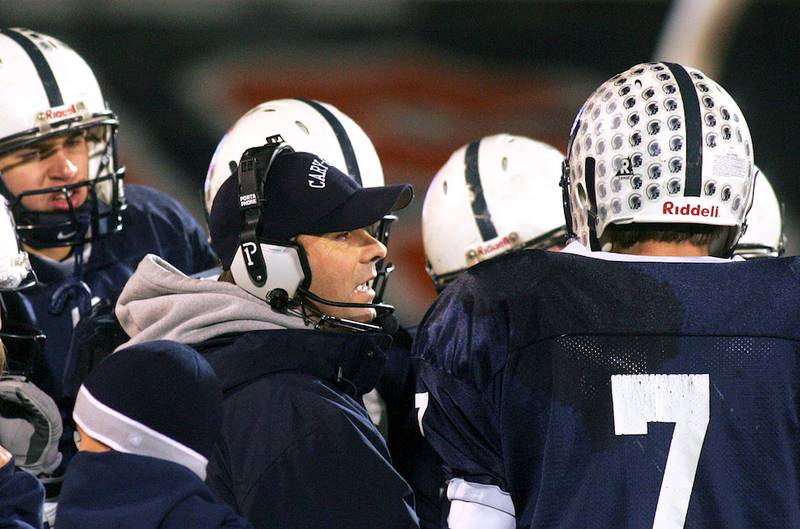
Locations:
(411, 454)
(605, 394)
(152, 223)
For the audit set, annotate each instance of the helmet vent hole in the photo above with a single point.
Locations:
(302, 126)
(444, 187)
(504, 163)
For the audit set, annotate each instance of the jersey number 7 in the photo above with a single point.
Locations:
(682, 399)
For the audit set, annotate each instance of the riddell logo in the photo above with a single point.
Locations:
(689, 210)
(494, 247)
(62, 112)
(491, 248)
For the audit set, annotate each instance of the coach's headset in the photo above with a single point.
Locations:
(278, 271)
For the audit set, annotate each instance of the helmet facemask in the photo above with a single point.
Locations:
(99, 215)
(49, 91)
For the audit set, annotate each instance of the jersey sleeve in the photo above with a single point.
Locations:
(460, 354)
(201, 255)
(159, 224)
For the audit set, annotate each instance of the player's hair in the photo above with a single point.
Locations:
(624, 236)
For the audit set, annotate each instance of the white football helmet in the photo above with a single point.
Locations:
(306, 125)
(764, 236)
(493, 195)
(48, 89)
(15, 268)
(658, 143)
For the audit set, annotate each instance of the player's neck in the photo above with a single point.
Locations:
(665, 249)
(59, 253)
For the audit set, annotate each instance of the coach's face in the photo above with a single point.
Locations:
(342, 269)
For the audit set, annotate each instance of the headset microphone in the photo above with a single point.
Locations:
(278, 299)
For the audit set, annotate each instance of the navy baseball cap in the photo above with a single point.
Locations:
(302, 195)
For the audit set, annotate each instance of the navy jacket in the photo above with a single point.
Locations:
(21, 497)
(113, 490)
(297, 448)
(606, 394)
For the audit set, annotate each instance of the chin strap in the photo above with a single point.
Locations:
(313, 316)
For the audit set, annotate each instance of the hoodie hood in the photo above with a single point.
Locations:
(159, 302)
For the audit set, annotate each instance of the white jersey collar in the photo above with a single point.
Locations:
(576, 248)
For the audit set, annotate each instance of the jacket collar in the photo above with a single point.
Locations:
(351, 361)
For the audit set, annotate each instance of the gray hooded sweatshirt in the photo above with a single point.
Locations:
(159, 302)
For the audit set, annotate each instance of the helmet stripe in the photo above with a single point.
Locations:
(479, 209)
(341, 135)
(40, 63)
(591, 219)
(694, 130)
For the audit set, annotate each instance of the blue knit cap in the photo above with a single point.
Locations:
(159, 399)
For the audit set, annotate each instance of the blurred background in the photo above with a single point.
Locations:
(421, 78)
